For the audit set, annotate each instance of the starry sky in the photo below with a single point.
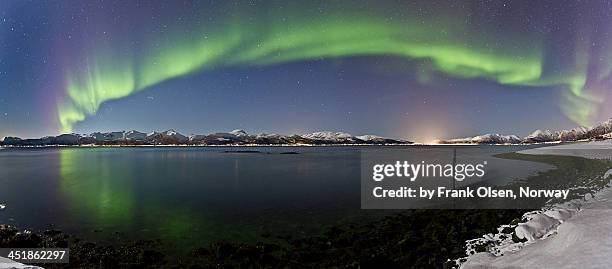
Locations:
(419, 70)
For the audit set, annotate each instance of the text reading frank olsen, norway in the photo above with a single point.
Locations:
(458, 172)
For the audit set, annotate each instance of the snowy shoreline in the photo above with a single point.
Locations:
(572, 234)
(6, 263)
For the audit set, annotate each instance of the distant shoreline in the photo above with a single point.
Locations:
(272, 145)
(220, 146)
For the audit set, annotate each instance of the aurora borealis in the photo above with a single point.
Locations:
(104, 53)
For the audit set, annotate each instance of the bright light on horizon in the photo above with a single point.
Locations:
(433, 141)
(430, 134)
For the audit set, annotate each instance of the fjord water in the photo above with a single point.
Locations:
(189, 196)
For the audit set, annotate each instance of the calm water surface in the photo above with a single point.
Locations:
(190, 196)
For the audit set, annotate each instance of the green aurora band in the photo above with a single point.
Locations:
(446, 46)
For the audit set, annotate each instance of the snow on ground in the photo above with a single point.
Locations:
(591, 150)
(9, 264)
(576, 234)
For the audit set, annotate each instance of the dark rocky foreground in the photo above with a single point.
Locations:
(414, 239)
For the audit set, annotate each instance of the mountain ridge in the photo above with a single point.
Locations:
(602, 130)
(172, 137)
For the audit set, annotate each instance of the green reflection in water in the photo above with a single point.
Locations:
(88, 188)
(101, 191)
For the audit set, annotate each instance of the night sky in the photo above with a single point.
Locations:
(413, 70)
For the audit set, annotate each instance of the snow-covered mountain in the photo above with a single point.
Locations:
(336, 137)
(172, 134)
(375, 139)
(116, 136)
(539, 136)
(370, 137)
(599, 131)
(239, 133)
(172, 137)
(485, 139)
(135, 135)
(194, 138)
(346, 138)
(67, 139)
(573, 134)
(167, 137)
